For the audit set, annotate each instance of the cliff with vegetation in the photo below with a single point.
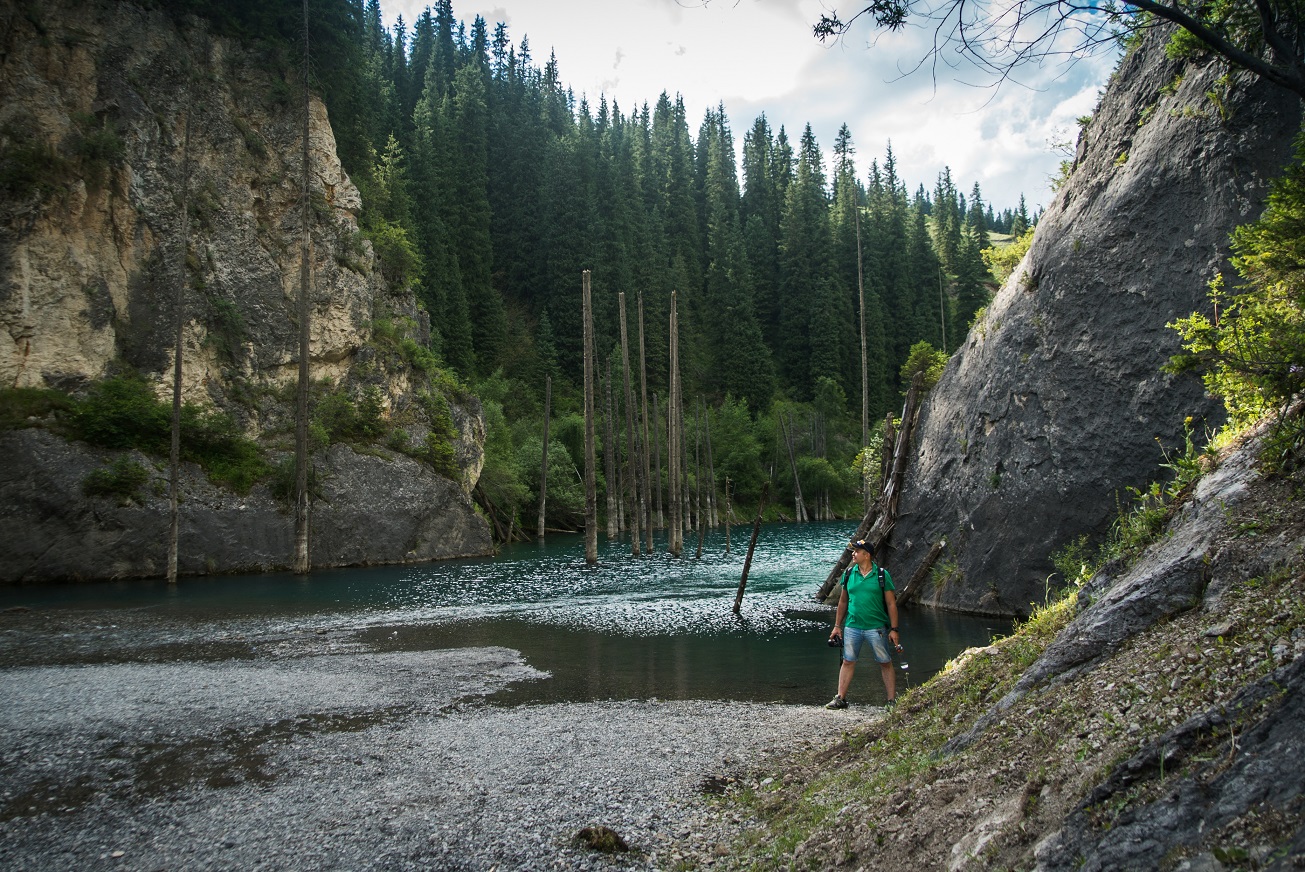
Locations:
(1056, 410)
(112, 116)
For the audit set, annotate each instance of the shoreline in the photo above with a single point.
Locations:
(297, 756)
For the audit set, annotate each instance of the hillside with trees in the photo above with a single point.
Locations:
(488, 186)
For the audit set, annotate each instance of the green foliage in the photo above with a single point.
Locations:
(120, 479)
(19, 406)
(346, 419)
(1002, 260)
(123, 414)
(401, 263)
(1251, 350)
(924, 358)
(438, 447)
(97, 145)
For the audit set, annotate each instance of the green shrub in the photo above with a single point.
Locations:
(1252, 351)
(924, 358)
(401, 262)
(120, 479)
(19, 405)
(123, 413)
(343, 419)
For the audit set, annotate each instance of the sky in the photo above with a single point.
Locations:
(758, 56)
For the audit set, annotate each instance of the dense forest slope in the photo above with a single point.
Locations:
(95, 112)
(1056, 405)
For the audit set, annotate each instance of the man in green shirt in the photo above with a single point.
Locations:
(867, 612)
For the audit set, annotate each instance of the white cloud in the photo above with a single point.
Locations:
(760, 56)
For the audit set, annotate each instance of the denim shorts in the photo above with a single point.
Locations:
(853, 638)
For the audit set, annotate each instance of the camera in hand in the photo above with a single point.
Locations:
(835, 641)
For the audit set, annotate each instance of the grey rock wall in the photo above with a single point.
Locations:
(371, 510)
(89, 267)
(1056, 403)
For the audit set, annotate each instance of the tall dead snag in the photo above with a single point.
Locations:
(878, 522)
(302, 562)
(697, 475)
(865, 365)
(675, 534)
(728, 510)
(609, 457)
(647, 461)
(591, 483)
(712, 516)
(543, 466)
(752, 546)
(657, 454)
(632, 452)
(179, 323)
(799, 507)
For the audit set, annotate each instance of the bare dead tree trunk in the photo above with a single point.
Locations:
(179, 324)
(879, 521)
(712, 516)
(609, 457)
(591, 474)
(632, 452)
(543, 468)
(865, 363)
(728, 510)
(647, 460)
(752, 546)
(657, 453)
(799, 507)
(302, 561)
(697, 474)
(675, 536)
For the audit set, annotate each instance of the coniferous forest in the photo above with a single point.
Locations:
(489, 186)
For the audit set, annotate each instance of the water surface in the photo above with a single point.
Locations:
(628, 628)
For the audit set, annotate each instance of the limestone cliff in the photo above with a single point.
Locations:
(1056, 404)
(95, 102)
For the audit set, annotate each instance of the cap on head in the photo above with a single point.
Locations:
(864, 546)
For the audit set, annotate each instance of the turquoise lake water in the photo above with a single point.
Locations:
(627, 628)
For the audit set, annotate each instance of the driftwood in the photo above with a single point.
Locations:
(878, 522)
(906, 594)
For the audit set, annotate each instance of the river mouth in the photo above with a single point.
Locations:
(651, 627)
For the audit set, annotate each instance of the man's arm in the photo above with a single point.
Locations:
(890, 599)
(841, 614)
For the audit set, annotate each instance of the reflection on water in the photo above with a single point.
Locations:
(653, 626)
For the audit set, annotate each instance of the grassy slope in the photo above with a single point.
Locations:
(887, 794)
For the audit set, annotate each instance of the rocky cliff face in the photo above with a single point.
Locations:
(95, 102)
(1056, 404)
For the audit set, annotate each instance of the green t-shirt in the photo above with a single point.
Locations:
(865, 602)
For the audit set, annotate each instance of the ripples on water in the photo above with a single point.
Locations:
(626, 628)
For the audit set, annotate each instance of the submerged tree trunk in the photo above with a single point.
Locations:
(799, 507)
(174, 458)
(543, 467)
(712, 515)
(752, 546)
(302, 561)
(591, 484)
(609, 457)
(647, 461)
(632, 453)
(675, 533)
(697, 475)
(657, 454)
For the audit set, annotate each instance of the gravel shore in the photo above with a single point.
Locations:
(304, 756)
